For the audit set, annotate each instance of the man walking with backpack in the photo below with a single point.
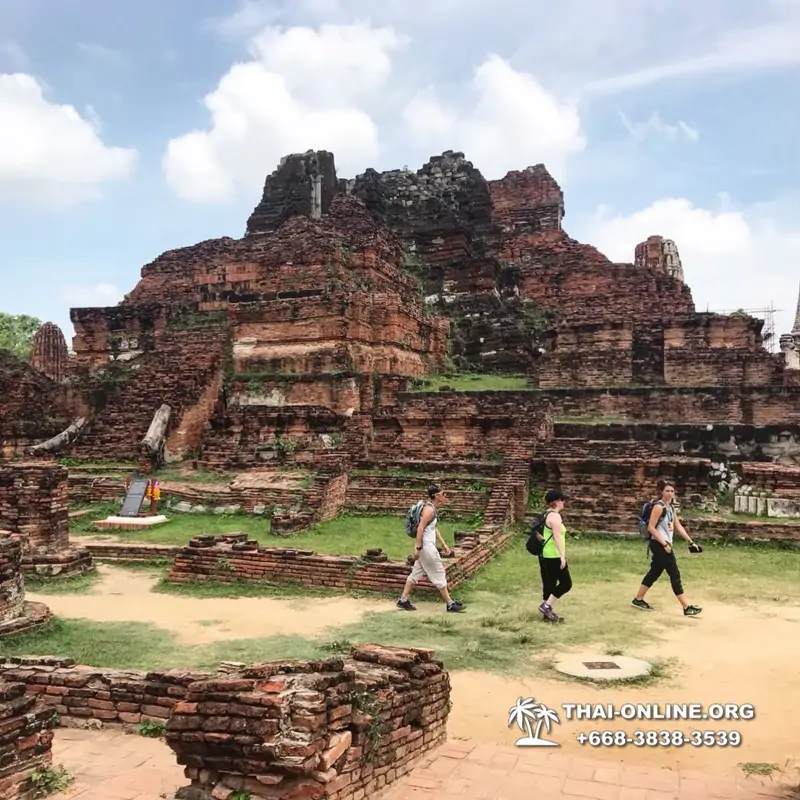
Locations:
(427, 561)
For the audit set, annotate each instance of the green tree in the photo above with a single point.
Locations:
(16, 333)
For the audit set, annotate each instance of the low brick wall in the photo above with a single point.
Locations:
(340, 729)
(89, 489)
(86, 696)
(702, 528)
(132, 552)
(232, 557)
(25, 739)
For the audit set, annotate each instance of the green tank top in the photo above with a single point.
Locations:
(550, 550)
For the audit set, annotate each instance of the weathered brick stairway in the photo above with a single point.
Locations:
(169, 376)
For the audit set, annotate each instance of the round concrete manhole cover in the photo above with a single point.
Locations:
(603, 668)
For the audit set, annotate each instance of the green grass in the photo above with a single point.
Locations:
(473, 382)
(69, 584)
(178, 474)
(500, 631)
(345, 535)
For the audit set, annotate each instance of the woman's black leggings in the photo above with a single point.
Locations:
(663, 562)
(555, 581)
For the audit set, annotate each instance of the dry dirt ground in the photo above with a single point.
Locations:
(730, 655)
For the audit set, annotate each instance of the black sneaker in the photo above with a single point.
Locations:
(691, 611)
(548, 613)
(641, 604)
(406, 605)
(455, 606)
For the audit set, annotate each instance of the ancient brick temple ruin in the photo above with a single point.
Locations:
(302, 345)
(339, 729)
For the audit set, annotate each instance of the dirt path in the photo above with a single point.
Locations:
(124, 595)
(730, 655)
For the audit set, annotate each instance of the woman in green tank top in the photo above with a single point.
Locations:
(556, 580)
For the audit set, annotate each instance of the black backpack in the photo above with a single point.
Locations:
(535, 545)
(644, 517)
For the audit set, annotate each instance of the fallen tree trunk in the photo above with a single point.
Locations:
(153, 443)
(65, 438)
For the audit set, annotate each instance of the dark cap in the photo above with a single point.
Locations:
(553, 496)
(434, 489)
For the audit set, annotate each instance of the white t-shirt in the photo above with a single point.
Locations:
(429, 534)
(666, 526)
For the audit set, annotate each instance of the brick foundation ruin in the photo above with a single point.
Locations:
(34, 503)
(26, 736)
(338, 729)
(17, 615)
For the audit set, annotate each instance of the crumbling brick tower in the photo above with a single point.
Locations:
(49, 354)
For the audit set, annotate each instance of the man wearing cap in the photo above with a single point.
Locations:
(427, 561)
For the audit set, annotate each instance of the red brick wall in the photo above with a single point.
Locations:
(34, 502)
(25, 739)
(530, 198)
(699, 528)
(398, 501)
(616, 490)
(227, 557)
(357, 723)
(113, 697)
(337, 729)
(770, 405)
(359, 331)
(451, 426)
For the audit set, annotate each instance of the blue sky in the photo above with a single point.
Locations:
(127, 129)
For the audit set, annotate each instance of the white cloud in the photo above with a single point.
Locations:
(301, 91)
(732, 258)
(658, 128)
(101, 294)
(49, 153)
(770, 46)
(335, 63)
(515, 122)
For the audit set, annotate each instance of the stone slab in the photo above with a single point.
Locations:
(596, 667)
(130, 523)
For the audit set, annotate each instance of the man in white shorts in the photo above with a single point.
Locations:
(427, 561)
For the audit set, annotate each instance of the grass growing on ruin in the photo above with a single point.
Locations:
(473, 382)
(500, 631)
(346, 535)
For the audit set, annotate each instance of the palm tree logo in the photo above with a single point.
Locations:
(523, 712)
